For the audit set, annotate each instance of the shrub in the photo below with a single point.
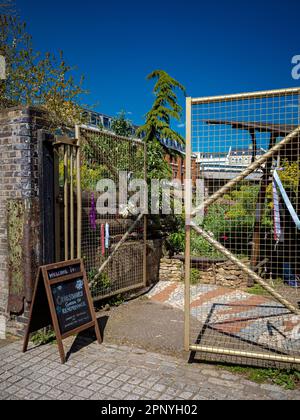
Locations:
(103, 282)
(176, 242)
(195, 277)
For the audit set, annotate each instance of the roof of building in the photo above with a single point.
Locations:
(224, 175)
(168, 144)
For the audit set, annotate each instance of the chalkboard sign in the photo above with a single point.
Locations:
(62, 299)
(71, 305)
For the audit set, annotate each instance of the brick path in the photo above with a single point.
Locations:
(111, 372)
(254, 319)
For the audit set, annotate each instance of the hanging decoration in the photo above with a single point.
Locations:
(93, 214)
(107, 236)
(103, 239)
(277, 220)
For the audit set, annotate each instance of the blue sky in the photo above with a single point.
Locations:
(212, 47)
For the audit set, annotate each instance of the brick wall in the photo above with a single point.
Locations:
(18, 182)
(178, 167)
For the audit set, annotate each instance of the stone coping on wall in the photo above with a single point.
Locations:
(201, 260)
(23, 107)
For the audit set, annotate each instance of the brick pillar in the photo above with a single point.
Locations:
(19, 191)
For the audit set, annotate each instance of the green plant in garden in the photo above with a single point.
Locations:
(201, 248)
(215, 219)
(243, 209)
(102, 149)
(244, 199)
(44, 336)
(290, 178)
(287, 379)
(117, 300)
(176, 242)
(90, 175)
(174, 226)
(214, 222)
(257, 290)
(195, 277)
(121, 126)
(237, 216)
(103, 281)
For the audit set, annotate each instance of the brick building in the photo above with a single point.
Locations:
(177, 163)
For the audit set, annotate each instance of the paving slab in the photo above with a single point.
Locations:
(185, 382)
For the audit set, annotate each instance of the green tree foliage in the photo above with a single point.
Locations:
(158, 122)
(157, 166)
(164, 109)
(36, 79)
(113, 156)
(290, 178)
(121, 126)
(243, 204)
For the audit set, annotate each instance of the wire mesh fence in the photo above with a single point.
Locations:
(244, 268)
(114, 264)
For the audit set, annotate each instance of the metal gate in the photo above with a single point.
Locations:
(242, 269)
(112, 246)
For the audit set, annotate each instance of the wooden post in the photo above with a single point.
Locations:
(145, 279)
(66, 201)
(79, 193)
(188, 203)
(72, 233)
(256, 247)
(54, 318)
(57, 206)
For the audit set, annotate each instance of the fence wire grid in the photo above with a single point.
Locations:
(256, 221)
(102, 156)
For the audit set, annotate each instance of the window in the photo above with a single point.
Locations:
(106, 123)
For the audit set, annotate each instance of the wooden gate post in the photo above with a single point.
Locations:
(188, 203)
